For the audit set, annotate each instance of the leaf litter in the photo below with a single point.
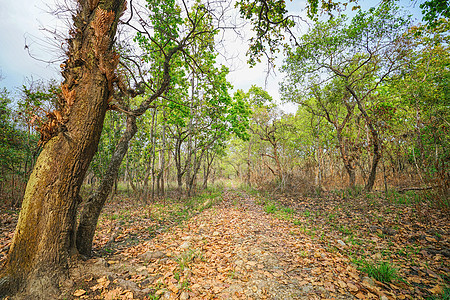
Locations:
(306, 248)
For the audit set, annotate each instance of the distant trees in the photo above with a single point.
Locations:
(365, 53)
(367, 90)
(423, 91)
(15, 156)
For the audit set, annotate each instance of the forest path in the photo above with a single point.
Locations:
(233, 250)
(232, 245)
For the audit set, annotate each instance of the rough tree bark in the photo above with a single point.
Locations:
(93, 206)
(375, 140)
(91, 210)
(44, 237)
(349, 167)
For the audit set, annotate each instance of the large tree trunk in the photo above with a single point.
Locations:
(346, 160)
(44, 236)
(375, 140)
(93, 206)
(376, 158)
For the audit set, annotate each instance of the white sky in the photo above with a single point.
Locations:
(21, 23)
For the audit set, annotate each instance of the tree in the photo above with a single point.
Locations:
(424, 92)
(162, 47)
(333, 103)
(435, 11)
(272, 23)
(44, 239)
(364, 54)
(13, 151)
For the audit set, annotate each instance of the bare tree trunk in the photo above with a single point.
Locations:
(162, 157)
(375, 140)
(93, 206)
(177, 157)
(207, 168)
(189, 146)
(152, 158)
(248, 163)
(41, 247)
(347, 163)
(373, 170)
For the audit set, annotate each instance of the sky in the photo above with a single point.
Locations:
(22, 23)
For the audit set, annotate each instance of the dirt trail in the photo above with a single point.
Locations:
(233, 250)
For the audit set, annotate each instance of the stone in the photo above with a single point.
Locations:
(184, 295)
(388, 231)
(151, 255)
(239, 262)
(163, 260)
(341, 242)
(146, 291)
(307, 288)
(252, 263)
(141, 269)
(369, 281)
(128, 285)
(101, 263)
(185, 245)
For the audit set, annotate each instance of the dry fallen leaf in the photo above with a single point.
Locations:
(79, 293)
(352, 287)
(437, 289)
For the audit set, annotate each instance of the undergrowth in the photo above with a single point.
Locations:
(444, 296)
(382, 271)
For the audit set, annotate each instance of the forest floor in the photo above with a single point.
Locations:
(236, 244)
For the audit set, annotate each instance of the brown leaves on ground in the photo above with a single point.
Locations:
(412, 236)
(251, 248)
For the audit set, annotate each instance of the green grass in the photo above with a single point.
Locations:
(185, 258)
(344, 230)
(352, 192)
(287, 210)
(444, 296)
(249, 189)
(270, 208)
(297, 222)
(384, 271)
